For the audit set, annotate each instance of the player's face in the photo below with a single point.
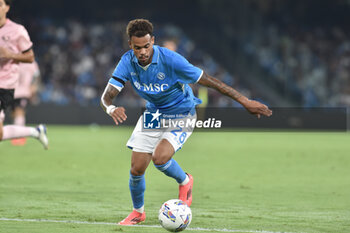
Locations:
(143, 48)
(3, 9)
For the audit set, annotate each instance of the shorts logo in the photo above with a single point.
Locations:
(161, 76)
(151, 120)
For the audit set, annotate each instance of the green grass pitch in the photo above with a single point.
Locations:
(244, 181)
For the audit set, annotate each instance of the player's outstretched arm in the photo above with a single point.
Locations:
(26, 57)
(252, 106)
(117, 113)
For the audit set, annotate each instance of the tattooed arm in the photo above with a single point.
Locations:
(117, 113)
(252, 106)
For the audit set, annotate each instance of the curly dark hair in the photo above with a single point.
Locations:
(139, 28)
(8, 2)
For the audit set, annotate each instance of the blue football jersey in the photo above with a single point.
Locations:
(163, 84)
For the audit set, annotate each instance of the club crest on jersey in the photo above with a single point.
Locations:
(161, 75)
(5, 38)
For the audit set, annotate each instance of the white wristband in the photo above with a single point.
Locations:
(110, 109)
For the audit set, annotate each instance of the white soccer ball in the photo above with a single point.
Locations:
(175, 215)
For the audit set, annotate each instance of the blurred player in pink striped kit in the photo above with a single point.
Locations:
(27, 85)
(15, 47)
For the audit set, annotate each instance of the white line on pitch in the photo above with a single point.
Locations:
(148, 226)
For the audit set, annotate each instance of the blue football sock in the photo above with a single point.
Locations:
(137, 185)
(172, 169)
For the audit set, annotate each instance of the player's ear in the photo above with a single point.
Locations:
(7, 8)
(129, 42)
(152, 40)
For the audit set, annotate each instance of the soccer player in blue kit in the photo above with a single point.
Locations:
(161, 77)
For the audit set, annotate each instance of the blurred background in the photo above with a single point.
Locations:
(284, 53)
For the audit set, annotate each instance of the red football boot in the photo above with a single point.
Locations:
(19, 141)
(133, 218)
(185, 191)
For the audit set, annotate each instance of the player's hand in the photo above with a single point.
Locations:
(256, 108)
(118, 115)
(5, 53)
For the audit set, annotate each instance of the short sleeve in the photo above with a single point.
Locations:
(120, 74)
(185, 71)
(24, 42)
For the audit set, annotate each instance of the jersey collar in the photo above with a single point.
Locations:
(155, 57)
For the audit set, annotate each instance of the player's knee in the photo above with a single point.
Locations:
(160, 159)
(2, 117)
(137, 171)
